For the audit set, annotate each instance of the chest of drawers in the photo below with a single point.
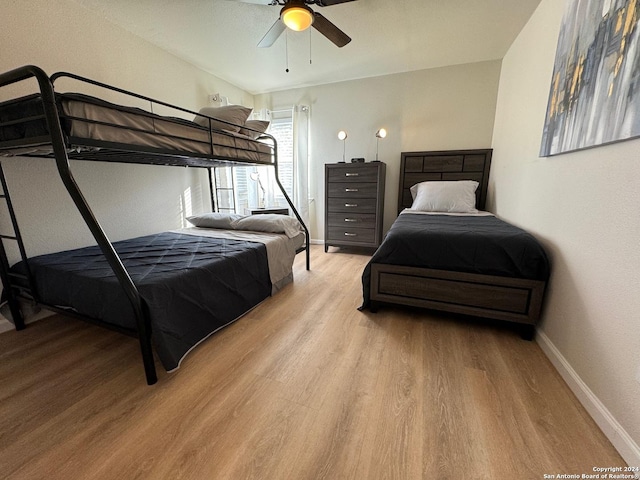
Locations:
(354, 204)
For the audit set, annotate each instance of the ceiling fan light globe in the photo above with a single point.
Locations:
(297, 18)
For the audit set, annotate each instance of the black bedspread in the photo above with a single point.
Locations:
(192, 285)
(472, 244)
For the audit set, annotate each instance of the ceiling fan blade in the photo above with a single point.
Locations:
(329, 30)
(272, 35)
(328, 3)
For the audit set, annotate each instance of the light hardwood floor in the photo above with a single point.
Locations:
(304, 387)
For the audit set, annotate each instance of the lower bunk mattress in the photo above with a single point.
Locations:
(191, 284)
(480, 244)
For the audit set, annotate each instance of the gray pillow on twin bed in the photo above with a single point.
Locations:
(235, 114)
(214, 220)
(457, 196)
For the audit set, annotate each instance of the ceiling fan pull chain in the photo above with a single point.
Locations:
(286, 49)
(309, 46)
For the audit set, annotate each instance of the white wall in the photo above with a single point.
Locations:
(442, 108)
(585, 207)
(129, 200)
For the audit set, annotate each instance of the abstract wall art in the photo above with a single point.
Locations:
(594, 97)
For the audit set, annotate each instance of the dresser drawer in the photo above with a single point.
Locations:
(352, 220)
(353, 174)
(355, 205)
(353, 190)
(355, 235)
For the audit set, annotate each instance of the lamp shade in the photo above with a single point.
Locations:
(342, 135)
(297, 18)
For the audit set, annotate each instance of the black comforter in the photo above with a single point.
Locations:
(473, 244)
(192, 285)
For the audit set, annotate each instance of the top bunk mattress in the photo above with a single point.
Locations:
(98, 130)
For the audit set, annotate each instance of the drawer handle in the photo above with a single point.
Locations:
(351, 190)
(350, 220)
(350, 204)
(351, 174)
(347, 234)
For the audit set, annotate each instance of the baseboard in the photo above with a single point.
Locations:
(315, 241)
(617, 435)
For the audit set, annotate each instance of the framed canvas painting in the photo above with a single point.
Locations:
(594, 97)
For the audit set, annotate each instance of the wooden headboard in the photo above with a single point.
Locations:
(416, 167)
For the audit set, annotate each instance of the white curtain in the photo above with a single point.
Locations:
(301, 144)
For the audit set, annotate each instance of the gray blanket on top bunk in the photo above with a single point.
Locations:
(192, 285)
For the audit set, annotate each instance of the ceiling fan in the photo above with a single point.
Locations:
(298, 16)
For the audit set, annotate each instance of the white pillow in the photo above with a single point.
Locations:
(453, 197)
(214, 220)
(235, 114)
(269, 222)
(259, 125)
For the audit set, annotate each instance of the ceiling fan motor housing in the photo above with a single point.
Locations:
(296, 15)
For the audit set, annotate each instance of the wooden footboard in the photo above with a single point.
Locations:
(502, 298)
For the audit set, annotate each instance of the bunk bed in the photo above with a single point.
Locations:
(450, 255)
(151, 287)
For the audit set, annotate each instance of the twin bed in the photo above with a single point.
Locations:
(444, 252)
(172, 289)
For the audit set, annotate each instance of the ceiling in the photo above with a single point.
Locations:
(388, 36)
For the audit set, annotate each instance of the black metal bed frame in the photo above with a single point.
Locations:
(14, 284)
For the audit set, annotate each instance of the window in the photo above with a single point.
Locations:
(241, 188)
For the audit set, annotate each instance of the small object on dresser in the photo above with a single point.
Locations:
(357, 160)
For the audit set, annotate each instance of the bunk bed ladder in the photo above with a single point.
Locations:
(217, 207)
(10, 280)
